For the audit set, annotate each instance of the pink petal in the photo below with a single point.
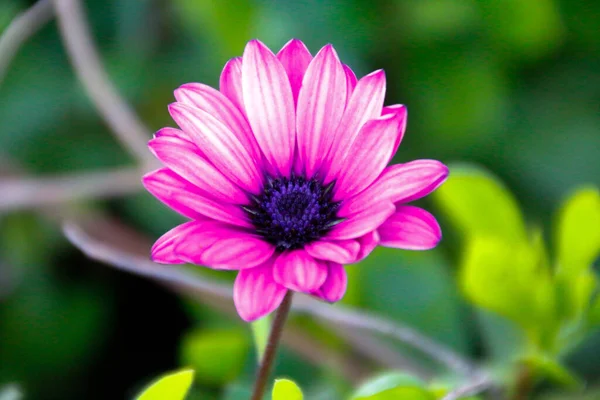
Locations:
(220, 246)
(365, 104)
(335, 285)
(399, 183)
(321, 105)
(295, 57)
(350, 81)
(368, 156)
(186, 160)
(188, 200)
(163, 250)
(339, 251)
(400, 110)
(410, 228)
(255, 292)
(296, 270)
(269, 105)
(359, 224)
(230, 83)
(172, 132)
(219, 106)
(222, 148)
(368, 242)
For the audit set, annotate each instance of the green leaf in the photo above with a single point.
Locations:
(511, 280)
(479, 205)
(260, 332)
(594, 314)
(393, 386)
(529, 29)
(547, 367)
(284, 389)
(217, 355)
(578, 233)
(169, 387)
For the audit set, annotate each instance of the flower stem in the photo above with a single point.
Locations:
(267, 361)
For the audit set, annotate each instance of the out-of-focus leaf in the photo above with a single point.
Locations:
(216, 355)
(594, 314)
(509, 280)
(170, 387)
(285, 389)
(479, 205)
(550, 368)
(529, 29)
(39, 322)
(578, 231)
(416, 288)
(260, 332)
(393, 386)
(228, 23)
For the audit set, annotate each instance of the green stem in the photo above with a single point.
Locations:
(274, 337)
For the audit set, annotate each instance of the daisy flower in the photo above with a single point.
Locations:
(283, 174)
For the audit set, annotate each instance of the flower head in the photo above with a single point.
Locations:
(283, 174)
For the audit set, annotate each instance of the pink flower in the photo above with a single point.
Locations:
(283, 175)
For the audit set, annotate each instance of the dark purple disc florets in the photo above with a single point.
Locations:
(292, 212)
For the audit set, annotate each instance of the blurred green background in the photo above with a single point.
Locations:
(513, 85)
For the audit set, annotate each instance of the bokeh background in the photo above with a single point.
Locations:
(513, 85)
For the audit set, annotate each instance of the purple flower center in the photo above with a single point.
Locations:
(292, 212)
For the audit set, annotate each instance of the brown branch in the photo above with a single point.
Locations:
(20, 29)
(22, 193)
(119, 116)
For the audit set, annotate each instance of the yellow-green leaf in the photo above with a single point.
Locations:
(170, 387)
(594, 315)
(578, 233)
(509, 279)
(285, 389)
(217, 355)
(546, 367)
(393, 386)
(479, 205)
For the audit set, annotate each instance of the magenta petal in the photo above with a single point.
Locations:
(321, 105)
(365, 104)
(230, 83)
(219, 106)
(339, 251)
(334, 287)
(295, 57)
(359, 224)
(401, 112)
(350, 81)
(255, 292)
(220, 246)
(186, 160)
(368, 156)
(367, 242)
(188, 200)
(172, 132)
(221, 146)
(163, 250)
(398, 183)
(296, 270)
(410, 228)
(269, 105)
